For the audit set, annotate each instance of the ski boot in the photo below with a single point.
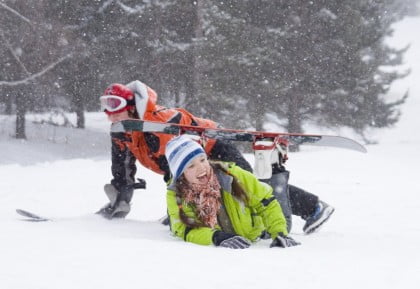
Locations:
(117, 207)
(322, 213)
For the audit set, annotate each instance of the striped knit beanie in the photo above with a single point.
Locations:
(180, 151)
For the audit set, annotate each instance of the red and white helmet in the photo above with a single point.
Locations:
(118, 97)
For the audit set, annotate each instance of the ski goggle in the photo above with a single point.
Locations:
(113, 103)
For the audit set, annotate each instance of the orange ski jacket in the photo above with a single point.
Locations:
(149, 148)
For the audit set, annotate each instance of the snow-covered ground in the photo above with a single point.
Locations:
(371, 240)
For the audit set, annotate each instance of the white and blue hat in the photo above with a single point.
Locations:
(180, 152)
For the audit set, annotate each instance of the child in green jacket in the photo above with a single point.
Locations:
(219, 203)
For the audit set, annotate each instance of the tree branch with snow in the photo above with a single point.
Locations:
(26, 80)
(16, 13)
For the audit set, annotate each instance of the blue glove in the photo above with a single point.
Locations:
(283, 241)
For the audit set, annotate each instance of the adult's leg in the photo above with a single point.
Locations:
(302, 202)
(281, 190)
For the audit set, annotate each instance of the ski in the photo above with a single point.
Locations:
(31, 216)
(237, 135)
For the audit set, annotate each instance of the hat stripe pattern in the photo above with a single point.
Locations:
(180, 151)
(177, 149)
(187, 160)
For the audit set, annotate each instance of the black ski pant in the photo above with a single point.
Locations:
(302, 203)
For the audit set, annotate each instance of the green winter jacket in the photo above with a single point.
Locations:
(262, 212)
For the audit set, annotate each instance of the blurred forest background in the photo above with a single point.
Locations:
(239, 62)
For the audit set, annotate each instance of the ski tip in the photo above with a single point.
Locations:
(31, 216)
(358, 147)
(339, 142)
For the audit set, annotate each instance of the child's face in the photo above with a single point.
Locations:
(118, 116)
(198, 171)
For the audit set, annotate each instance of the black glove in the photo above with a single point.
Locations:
(228, 240)
(283, 241)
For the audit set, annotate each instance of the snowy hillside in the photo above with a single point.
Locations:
(371, 240)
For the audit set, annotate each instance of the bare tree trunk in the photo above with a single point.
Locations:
(20, 116)
(80, 123)
(79, 108)
(9, 105)
(294, 121)
(20, 100)
(259, 120)
(8, 101)
(177, 96)
(193, 83)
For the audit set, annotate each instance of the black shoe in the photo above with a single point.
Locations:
(164, 220)
(322, 213)
(119, 211)
(265, 235)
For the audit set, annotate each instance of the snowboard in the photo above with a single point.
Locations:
(236, 134)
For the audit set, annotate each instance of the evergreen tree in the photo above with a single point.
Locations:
(234, 61)
(321, 60)
(355, 93)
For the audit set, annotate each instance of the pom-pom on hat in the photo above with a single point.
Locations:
(180, 152)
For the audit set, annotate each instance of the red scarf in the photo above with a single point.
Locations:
(205, 197)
